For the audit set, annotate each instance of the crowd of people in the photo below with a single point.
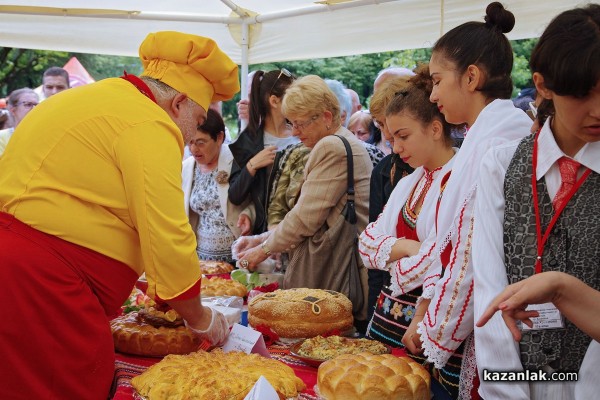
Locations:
(468, 207)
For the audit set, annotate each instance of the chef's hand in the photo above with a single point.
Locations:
(217, 331)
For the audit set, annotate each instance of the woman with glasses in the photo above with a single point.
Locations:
(255, 149)
(314, 113)
(19, 103)
(205, 179)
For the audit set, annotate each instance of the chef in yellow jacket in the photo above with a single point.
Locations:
(90, 198)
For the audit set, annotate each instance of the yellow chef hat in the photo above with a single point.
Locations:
(190, 64)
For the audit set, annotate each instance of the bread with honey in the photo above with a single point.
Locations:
(215, 375)
(135, 334)
(301, 313)
(215, 267)
(368, 376)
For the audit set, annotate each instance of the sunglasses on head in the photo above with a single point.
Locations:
(284, 72)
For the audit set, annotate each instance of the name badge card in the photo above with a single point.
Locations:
(549, 318)
(242, 338)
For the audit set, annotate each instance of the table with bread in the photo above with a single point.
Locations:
(158, 358)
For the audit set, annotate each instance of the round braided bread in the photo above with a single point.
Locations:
(367, 376)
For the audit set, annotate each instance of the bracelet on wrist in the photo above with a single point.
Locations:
(264, 248)
(250, 163)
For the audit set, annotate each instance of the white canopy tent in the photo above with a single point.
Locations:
(255, 31)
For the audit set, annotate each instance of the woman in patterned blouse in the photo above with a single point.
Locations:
(205, 180)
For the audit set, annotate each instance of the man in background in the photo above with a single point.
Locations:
(55, 80)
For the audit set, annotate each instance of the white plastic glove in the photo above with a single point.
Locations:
(217, 331)
(245, 243)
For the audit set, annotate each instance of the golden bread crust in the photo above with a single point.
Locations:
(215, 267)
(368, 376)
(133, 335)
(216, 286)
(301, 313)
(214, 375)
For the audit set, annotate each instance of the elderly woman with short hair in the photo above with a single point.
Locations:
(19, 103)
(216, 221)
(314, 113)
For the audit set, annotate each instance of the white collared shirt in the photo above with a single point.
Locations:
(549, 153)
(495, 347)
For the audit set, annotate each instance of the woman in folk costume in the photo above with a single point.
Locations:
(539, 212)
(470, 67)
(399, 240)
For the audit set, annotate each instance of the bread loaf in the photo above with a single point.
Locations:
(133, 335)
(222, 287)
(214, 376)
(368, 376)
(215, 267)
(301, 313)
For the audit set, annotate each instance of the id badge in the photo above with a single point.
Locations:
(549, 318)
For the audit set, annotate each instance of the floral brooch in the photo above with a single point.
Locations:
(222, 177)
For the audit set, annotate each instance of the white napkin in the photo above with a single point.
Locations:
(262, 390)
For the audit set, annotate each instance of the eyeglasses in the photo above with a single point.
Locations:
(27, 104)
(282, 71)
(302, 125)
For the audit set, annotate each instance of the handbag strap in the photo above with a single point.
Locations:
(350, 207)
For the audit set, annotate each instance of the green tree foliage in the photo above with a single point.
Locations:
(101, 67)
(19, 68)
(23, 68)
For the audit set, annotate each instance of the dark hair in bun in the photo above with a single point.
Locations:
(483, 44)
(496, 16)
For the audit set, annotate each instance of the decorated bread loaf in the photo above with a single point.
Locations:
(145, 335)
(301, 313)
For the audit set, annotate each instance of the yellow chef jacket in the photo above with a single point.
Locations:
(100, 166)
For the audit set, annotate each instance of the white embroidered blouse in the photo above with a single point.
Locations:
(449, 319)
(375, 243)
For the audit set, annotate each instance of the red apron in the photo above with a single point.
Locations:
(56, 300)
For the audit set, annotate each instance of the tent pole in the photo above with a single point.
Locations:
(244, 47)
(244, 77)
